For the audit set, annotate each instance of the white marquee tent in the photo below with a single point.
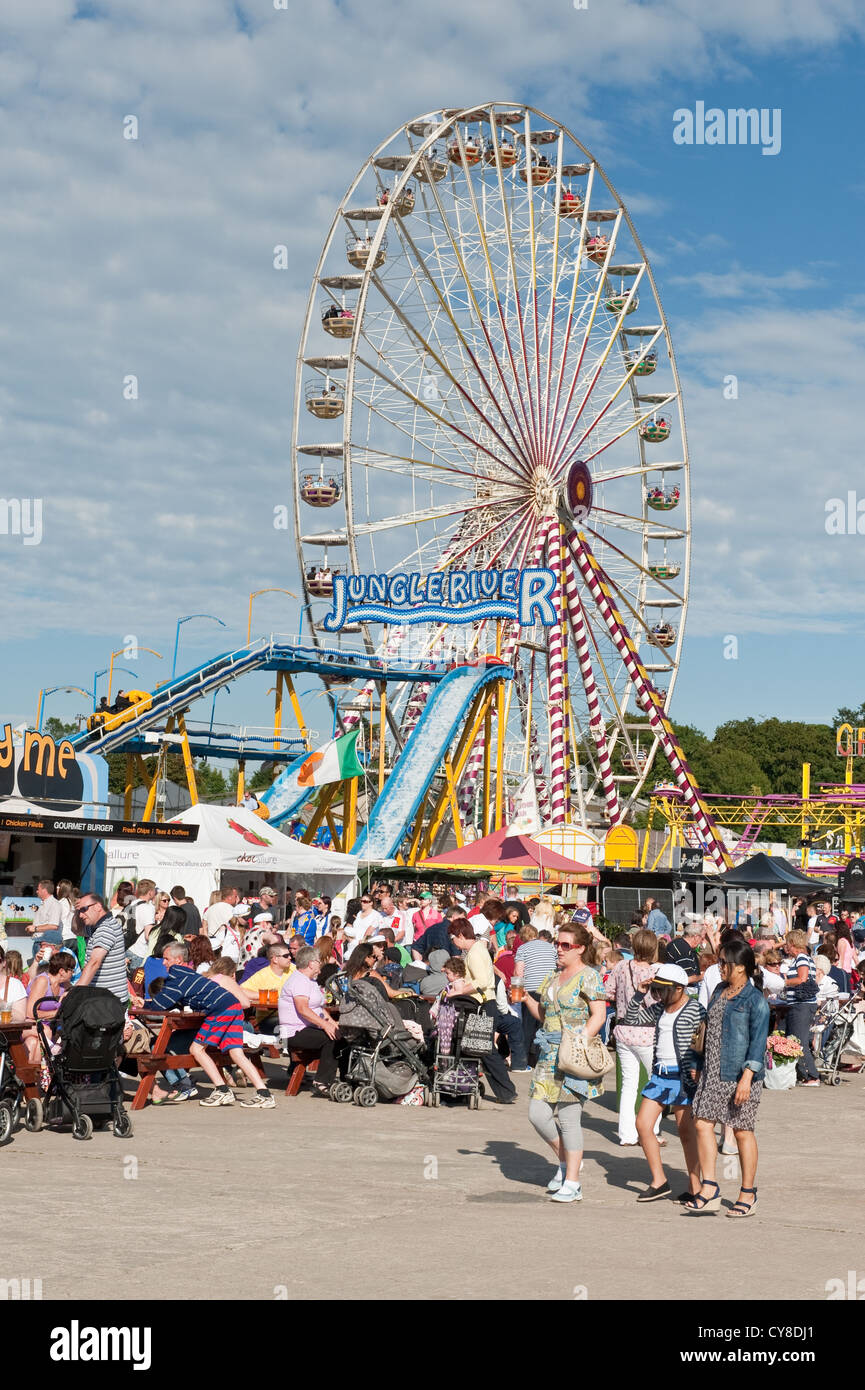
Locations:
(234, 847)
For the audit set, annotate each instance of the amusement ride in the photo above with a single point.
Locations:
(485, 381)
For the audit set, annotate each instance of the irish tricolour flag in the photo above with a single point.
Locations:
(335, 761)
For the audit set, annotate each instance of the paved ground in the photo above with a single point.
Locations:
(322, 1200)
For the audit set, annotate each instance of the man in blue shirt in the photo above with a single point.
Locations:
(656, 920)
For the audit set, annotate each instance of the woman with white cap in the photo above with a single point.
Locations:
(673, 1081)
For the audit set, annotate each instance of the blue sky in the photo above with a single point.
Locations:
(153, 257)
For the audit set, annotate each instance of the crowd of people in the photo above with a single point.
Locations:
(686, 1014)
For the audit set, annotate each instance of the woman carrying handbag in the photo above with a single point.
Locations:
(571, 1011)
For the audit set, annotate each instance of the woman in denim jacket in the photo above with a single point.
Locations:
(728, 1092)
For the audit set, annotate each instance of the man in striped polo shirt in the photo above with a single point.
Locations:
(105, 965)
(535, 959)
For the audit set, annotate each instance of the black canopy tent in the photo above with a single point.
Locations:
(764, 871)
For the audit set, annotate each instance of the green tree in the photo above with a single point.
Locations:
(56, 729)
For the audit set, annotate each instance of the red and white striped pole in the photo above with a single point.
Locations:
(556, 687)
(596, 720)
(649, 698)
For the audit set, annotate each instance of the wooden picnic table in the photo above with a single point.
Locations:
(164, 1025)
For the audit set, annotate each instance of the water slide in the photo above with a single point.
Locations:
(443, 715)
(267, 653)
(452, 693)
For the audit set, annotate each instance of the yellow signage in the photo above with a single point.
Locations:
(849, 742)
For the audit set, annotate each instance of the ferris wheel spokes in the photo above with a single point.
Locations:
(555, 449)
(528, 437)
(498, 302)
(464, 345)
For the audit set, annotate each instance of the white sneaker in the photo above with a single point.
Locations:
(555, 1182)
(568, 1192)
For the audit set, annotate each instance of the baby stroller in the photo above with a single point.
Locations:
(84, 1081)
(383, 1059)
(464, 1035)
(838, 1029)
(12, 1098)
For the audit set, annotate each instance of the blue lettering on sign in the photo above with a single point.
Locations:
(536, 586)
(398, 588)
(454, 597)
(510, 580)
(376, 587)
(459, 587)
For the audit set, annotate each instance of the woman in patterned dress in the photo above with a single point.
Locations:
(572, 995)
(728, 1092)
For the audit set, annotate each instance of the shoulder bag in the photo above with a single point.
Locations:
(587, 1059)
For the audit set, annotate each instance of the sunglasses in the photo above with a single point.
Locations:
(566, 945)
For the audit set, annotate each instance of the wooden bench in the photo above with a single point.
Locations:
(159, 1059)
(301, 1063)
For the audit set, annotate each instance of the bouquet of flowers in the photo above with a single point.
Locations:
(781, 1049)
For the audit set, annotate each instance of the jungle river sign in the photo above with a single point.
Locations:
(443, 596)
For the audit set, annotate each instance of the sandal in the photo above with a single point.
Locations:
(700, 1205)
(742, 1209)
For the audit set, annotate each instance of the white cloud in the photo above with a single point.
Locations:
(738, 283)
(773, 456)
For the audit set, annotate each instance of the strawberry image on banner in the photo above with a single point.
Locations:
(331, 763)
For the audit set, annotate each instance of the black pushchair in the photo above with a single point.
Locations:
(12, 1098)
(84, 1080)
(464, 1035)
(383, 1058)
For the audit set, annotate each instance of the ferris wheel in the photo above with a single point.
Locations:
(483, 334)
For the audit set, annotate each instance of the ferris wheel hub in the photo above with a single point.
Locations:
(545, 491)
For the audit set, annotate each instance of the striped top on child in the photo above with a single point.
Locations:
(183, 986)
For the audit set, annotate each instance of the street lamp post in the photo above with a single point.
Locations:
(119, 652)
(187, 619)
(276, 590)
(218, 691)
(104, 672)
(43, 696)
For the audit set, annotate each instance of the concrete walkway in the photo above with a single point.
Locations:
(318, 1200)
